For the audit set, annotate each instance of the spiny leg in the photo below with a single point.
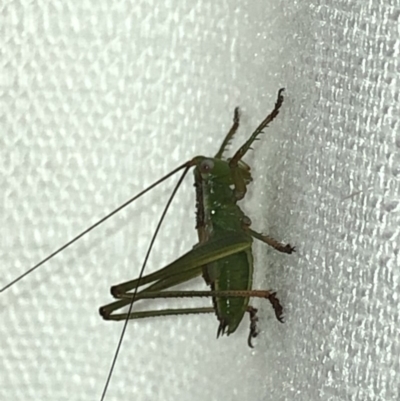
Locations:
(253, 324)
(155, 313)
(240, 187)
(189, 265)
(230, 134)
(285, 248)
(277, 306)
(242, 151)
(107, 310)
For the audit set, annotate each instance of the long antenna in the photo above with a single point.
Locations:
(117, 350)
(102, 220)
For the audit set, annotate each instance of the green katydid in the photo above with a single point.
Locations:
(223, 255)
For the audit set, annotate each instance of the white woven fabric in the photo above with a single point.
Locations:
(99, 99)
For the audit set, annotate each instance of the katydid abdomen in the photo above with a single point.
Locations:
(233, 273)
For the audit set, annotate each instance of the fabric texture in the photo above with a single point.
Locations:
(100, 99)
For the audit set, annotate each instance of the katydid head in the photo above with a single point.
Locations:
(206, 166)
(216, 170)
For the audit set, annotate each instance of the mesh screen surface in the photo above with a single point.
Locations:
(99, 99)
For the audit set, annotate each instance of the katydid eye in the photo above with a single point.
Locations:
(206, 165)
(246, 221)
